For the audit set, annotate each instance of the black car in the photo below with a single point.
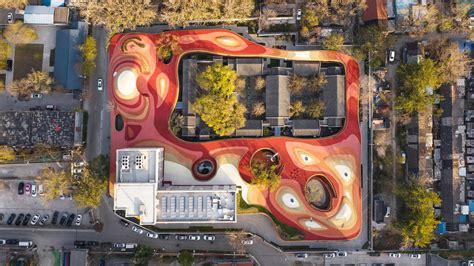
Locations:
(11, 218)
(124, 223)
(12, 242)
(70, 219)
(27, 219)
(79, 244)
(55, 217)
(21, 188)
(1, 218)
(19, 219)
(9, 65)
(63, 218)
(163, 236)
(92, 243)
(181, 237)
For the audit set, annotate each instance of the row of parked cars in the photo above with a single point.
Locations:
(30, 189)
(38, 219)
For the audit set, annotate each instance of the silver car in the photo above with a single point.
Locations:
(100, 84)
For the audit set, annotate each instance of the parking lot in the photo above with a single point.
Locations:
(13, 203)
(382, 259)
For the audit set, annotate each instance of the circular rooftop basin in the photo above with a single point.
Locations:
(127, 83)
(318, 193)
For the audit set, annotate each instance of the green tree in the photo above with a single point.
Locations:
(223, 114)
(166, 46)
(89, 53)
(296, 109)
(36, 81)
(119, 15)
(142, 255)
(316, 109)
(5, 52)
(374, 39)
(55, 183)
(265, 176)
(218, 79)
(88, 189)
(415, 79)
(185, 258)
(100, 166)
(180, 12)
(335, 41)
(19, 33)
(7, 153)
(176, 122)
(452, 64)
(13, 4)
(418, 222)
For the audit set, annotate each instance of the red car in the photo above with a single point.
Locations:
(27, 188)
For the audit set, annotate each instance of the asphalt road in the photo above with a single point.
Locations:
(95, 103)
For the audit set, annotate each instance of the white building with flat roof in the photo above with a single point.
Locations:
(138, 173)
(141, 193)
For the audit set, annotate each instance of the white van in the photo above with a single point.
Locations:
(25, 244)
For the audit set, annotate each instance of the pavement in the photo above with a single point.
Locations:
(62, 101)
(95, 103)
(26, 171)
(384, 259)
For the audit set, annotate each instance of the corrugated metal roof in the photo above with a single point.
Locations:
(67, 55)
(39, 15)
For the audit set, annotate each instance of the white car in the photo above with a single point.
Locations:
(387, 213)
(209, 237)
(415, 256)
(10, 17)
(194, 237)
(100, 84)
(40, 189)
(36, 96)
(298, 14)
(395, 255)
(247, 242)
(137, 230)
(78, 164)
(78, 170)
(470, 262)
(35, 219)
(342, 254)
(329, 255)
(34, 192)
(301, 255)
(78, 220)
(151, 235)
(391, 56)
(3, 241)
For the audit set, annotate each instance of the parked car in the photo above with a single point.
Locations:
(79, 244)
(35, 219)
(329, 255)
(92, 243)
(209, 237)
(21, 188)
(387, 213)
(55, 217)
(100, 84)
(342, 254)
(395, 255)
(391, 56)
(10, 17)
(9, 65)
(19, 219)
(301, 255)
(181, 237)
(78, 164)
(151, 235)
(11, 219)
(298, 14)
(63, 219)
(124, 223)
(137, 230)
(120, 245)
(3, 241)
(78, 170)
(40, 189)
(70, 219)
(12, 241)
(44, 219)
(50, 107)
(36, 96)
(33, 190)
(1, 218)
(194, 237)
(78, 220)
(415, 256)
(27, 188)
(26, 219)
(163, 236)
(247, 242)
